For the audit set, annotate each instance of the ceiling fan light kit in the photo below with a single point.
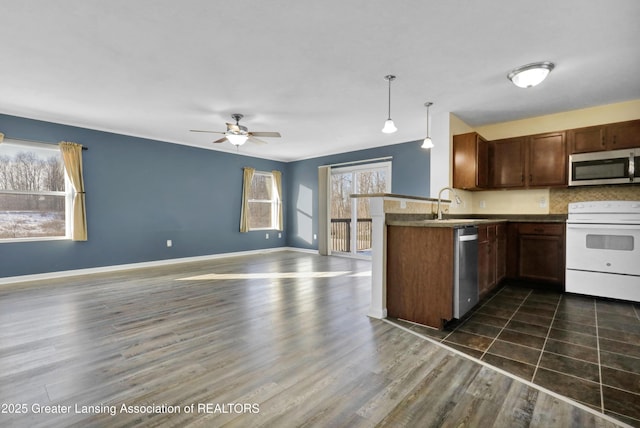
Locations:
(530, 75)
(389, 126)
(237, 139)
(427, 143)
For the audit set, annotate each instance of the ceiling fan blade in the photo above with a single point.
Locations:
(221, 140)
(266, 134)
(256, 140)
(209, 132)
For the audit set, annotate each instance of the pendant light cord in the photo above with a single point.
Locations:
(389, 78)
(389, 98)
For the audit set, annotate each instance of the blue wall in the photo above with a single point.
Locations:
(409, 176)
(139, 194)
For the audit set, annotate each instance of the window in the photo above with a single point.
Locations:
(33, 196)
(351, 222)
(263, 202)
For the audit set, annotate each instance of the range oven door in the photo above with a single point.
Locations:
(608, 248)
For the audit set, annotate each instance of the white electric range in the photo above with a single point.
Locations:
(603, 249)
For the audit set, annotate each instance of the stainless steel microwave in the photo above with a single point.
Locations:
(608, 167)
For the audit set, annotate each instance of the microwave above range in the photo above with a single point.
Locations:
(608, 167)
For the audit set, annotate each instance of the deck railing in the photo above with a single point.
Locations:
(341, 234)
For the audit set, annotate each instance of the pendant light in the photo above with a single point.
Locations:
(427, 143)
(389, 126)
(530, 75)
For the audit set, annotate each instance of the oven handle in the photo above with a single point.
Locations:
(631, 165)
(591, 226)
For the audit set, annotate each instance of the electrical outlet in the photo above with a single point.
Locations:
(403, 204)
(315, 236)
(279, 235)
(266, 237)
(169, 243)
(483, 204)
(542, 203)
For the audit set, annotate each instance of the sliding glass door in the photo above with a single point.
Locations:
(350, 229)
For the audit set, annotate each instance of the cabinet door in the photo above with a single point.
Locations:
(483, 260)
(470, 161)
(540, 258)
(501, 252)
(624, 135)
(483, 267)
(591, 139)
(508, 159)
(541, 252)
(547, 160)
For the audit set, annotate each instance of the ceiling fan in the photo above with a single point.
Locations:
(237, 134)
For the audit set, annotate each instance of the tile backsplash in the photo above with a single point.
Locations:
(559, 199)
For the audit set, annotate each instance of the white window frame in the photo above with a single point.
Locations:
(67, 193)
(274, 201)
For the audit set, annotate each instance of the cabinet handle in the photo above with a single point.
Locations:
(614, 140)
(538, 230)
(522, 178)
(603, 142)
(530, 178)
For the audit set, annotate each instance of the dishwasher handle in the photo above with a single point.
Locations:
(468, 237)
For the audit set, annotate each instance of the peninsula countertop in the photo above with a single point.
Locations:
(470, 220)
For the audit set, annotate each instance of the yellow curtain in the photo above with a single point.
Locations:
(246, 186)
(277, 177)
(72, 158)
(1, 137)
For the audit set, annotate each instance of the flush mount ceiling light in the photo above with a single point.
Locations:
(530, 75)
(389, 126)
(427, 143)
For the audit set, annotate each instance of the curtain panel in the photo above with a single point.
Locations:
(277, 177)
(324, 210)
(246, 187)
(72, 158)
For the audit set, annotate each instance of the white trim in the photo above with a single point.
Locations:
(115, 268)
(387, 158)
(512, 376)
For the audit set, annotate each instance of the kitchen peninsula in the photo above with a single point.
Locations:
(408, 243)
(434, 268)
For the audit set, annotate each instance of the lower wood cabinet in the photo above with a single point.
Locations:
(492, 251)
(420, 274)
(537, 252)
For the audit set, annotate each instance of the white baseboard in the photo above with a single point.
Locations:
(114, 268)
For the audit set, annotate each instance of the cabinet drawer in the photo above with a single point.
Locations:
(541, 228)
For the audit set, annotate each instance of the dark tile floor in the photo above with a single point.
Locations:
(584, 348)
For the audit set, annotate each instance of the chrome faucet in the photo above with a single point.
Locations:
(457, 198)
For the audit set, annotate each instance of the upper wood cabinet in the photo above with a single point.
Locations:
(532, 161)
(507, 159)
(547, 160)
(613, 136)
(470, 161)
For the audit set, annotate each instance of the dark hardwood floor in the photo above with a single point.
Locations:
(274, 340)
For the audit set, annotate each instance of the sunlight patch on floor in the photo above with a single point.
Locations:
(264, 275)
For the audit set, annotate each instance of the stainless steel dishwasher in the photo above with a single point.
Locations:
(465, 270)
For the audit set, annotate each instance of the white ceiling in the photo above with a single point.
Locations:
(313, 71)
